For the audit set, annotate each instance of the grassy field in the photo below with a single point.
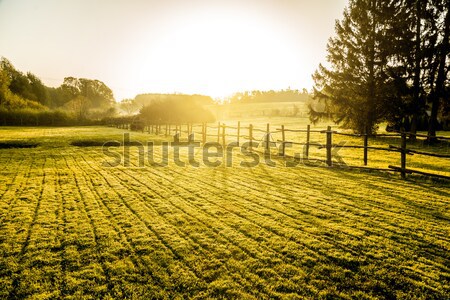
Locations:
(72, 228)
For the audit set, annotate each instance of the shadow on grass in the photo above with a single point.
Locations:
(91, 143)
(17, 144)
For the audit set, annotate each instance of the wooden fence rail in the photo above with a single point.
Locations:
(236, 132)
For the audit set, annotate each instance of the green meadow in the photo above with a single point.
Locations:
(73, 227)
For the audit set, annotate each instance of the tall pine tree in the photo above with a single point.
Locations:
(389, 61)
(352, 87)
(439, 57)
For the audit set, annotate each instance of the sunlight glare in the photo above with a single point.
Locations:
(217, 53)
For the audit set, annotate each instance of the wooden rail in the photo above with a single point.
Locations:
(236, 132)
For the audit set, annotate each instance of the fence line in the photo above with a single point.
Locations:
(222, 134)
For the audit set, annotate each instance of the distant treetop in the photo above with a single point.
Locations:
(270, 96)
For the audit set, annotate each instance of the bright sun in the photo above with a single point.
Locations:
(216, 53)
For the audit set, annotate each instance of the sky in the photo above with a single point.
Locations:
(210, 47)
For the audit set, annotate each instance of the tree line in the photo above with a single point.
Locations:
(388, 62)
(24, 99)
(256, 96)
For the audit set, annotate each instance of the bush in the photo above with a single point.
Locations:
(173, 111)
(33, 117)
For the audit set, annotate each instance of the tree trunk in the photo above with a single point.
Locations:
(418, 59)
(440, 81)
(370, 120)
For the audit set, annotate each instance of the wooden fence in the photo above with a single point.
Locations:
(220, 134)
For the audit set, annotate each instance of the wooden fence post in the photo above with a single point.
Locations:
(204, 128)
(190, 138)
(223, 135)
(366, 141)
(250, 136)
(403, 156)
(238, 132)
(268, 138)
(329, 146)
(218, 132)
(283, 140)
(308, 135)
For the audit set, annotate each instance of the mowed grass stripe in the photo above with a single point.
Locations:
(17, 224)
(20, 288)
(416, 239)
(184, 235)
(171, 238)
(390, 219)
(406, 254)
(41, 259)
(16, 186)
(204, 242)
(237, 184)
(91, 241)
(208, 207)
(9, 173)
(14, 223)
(78, 245)
(113, 258)
(402, 246)
(121, 214)
(158, 185)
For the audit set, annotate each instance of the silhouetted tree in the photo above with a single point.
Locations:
(173, 111)
(353, 85)
(440, 61)
(389, 59)
(129, 106)
(98, 94)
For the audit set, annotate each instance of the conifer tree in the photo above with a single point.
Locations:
(353, 84)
